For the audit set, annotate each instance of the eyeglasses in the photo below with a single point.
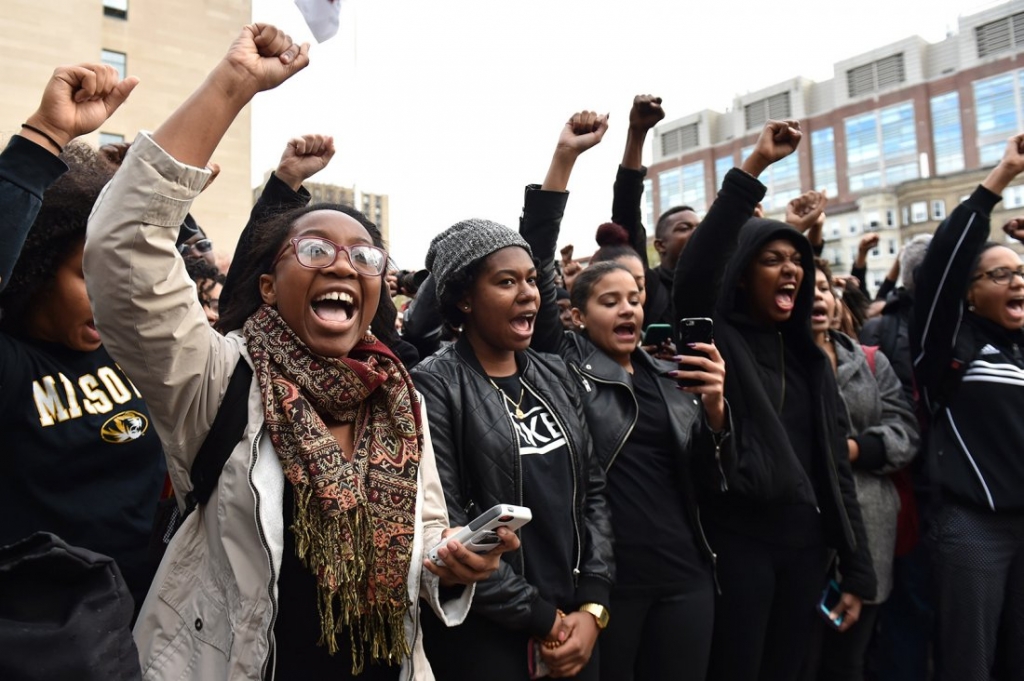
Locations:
(316, 253)
(201, 246)
(1001, 275)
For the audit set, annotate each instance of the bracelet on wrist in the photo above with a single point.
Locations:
(59, 148)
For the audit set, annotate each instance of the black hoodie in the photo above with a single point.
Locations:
(780, 473)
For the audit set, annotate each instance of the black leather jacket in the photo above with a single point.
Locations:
(608, 401)
(478, 460)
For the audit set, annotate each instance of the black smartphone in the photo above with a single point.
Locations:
(829, 600)
(693, 330)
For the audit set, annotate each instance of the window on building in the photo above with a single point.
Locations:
(1002, 35)
(853, 227)
(875, 76)
(890, 218)
(679, 139)
(115, 9)
(723, 165)
(892, 246)
(682, 186)
(906, 215)
(919, 211)
(693, 186)
(776, 107)
(110, 138)
(881, 147)
(119, 60)
(648, 204)
(938, 209)
(875, 252)
(782, 179)
(834, 228)
(670, 189)
(947, 135)
(997, 106)
(1013, 197)
(823, 160)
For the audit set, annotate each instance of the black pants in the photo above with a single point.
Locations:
(978, 562)
(835, 656)
(667, 637)
(479, 650)
(766, 611)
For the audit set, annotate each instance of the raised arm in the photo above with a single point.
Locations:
(542, 217)
(699, 270)
(943, 278)
(806, 213)
(859, 269)
(76, 101)
(629, 181)
(144, 304)
(303, 157)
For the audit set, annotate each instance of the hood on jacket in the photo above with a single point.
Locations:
(755, 234)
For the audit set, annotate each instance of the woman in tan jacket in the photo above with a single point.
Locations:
(313, 541)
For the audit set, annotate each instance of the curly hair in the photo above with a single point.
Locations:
(58, 230)
(268, 239)
(459, 284)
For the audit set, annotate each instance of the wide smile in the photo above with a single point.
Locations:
(336, 308)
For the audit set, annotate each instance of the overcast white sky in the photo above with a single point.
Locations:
(451, 106)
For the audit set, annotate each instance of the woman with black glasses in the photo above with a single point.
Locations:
(966, 339)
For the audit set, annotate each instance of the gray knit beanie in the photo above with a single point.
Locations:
(462, 244)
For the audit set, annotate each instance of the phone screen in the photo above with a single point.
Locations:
(829, 600)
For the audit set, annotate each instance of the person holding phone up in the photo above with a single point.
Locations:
(790, 496)
(663, 600)
(508, 428)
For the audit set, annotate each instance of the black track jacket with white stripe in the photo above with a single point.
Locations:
(970, 371)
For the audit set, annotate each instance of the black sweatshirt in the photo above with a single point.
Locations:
(769, 476)
(969, 370)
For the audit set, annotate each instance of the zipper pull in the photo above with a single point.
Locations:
(586, 383)
(575, 576)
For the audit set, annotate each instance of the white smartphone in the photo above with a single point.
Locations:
(479, 536)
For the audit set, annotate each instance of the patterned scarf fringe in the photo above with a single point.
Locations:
(341, 597)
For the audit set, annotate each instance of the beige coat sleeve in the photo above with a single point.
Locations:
(435, 522)
(145, 306)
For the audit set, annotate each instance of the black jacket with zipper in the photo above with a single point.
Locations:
(767, 472)
(970, 370)
(608, 401)
(478, 460)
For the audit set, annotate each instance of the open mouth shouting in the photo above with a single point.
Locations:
(334, 307)
(522, 324)
(626, 332)
(785, 297)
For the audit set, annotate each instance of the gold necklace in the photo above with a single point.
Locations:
(522, 392)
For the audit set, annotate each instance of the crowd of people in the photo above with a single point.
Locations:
(740, 465)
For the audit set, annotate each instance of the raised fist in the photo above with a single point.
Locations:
(79, 99)
(807, 210)
(304, 157)
(583, 131)
(262, 57)
(646, 112)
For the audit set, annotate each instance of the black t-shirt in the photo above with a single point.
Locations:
(548, 540)
(655, 548)
(297, 628)
(80, 457)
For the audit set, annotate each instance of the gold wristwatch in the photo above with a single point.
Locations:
(599, 612)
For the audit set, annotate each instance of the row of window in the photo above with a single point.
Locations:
(881, 147)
